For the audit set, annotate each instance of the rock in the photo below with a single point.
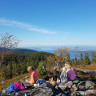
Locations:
(89, 84)
(63, 86)
(85, 85)
(84, 93)
(81, 83)
(82, 88)
(46, 89)
(90, 92)
(42, 90)
(74, 87)
(60, 94)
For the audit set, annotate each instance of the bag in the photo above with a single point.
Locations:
(17, 86)
(10, 89)
(40, 81)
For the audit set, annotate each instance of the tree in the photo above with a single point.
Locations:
(93, 58)
(9, 70)
(7, 42)
(68, 57)
(73, 61)
(86, 59)
(61, 55)
(76, 60)
(81, 59)
(42, 72)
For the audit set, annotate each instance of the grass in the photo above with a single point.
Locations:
(6, 83)
(90, 67)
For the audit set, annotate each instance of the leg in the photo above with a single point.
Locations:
(22, 81)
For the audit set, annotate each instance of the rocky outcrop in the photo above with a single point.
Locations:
(76, 88)
(79, 87)
(83, 88)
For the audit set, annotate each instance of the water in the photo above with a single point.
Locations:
(74, 51)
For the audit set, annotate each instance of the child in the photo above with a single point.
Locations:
(53, 81)
(70, 72)
(32, 79)
(63, 76)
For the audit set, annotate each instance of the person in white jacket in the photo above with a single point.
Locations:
(63, 75)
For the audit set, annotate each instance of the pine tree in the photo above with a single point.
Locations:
(93, 58)
(76, 60)
(4, 72)
(9, 70)
(86, 59)
(81, 59)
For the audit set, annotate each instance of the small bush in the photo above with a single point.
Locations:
(42, 72)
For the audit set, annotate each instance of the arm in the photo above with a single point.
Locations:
(31, 81)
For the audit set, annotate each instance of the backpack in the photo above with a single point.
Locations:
(41, 81)
(10, 88)
(17, 86)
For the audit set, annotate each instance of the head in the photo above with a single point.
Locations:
(67, 65)
(64, 69)
(30, 69)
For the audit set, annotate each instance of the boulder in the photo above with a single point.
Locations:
(84, 93)
(63, 86)
(89, 84)
(71, 88)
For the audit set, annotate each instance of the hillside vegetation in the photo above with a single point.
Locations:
(15, 64)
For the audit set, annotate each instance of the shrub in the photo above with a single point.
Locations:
(42, 72)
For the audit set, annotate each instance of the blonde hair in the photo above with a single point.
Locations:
(30, 68)
(64, 69)
(69, 65)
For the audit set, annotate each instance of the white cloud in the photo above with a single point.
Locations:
(13, 23)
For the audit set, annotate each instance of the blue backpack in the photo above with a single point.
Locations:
(40, 81)
(10, 89)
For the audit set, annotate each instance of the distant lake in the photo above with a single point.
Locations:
(74, 50)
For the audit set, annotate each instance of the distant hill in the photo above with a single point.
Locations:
(20, 50)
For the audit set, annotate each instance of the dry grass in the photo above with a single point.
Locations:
(90, 67)
(6, 83)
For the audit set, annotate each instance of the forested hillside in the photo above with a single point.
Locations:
(19, 50)
(17, 63)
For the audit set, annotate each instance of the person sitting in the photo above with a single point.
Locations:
(33, 78)
(70, 72)
(70, 75)
(63, 75)
(53, 80)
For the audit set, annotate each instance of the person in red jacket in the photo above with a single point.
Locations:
(33, 78)
(34, 75)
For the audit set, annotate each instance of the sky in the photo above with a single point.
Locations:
(49, 22)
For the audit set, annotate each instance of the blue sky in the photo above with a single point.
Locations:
(49, 22)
